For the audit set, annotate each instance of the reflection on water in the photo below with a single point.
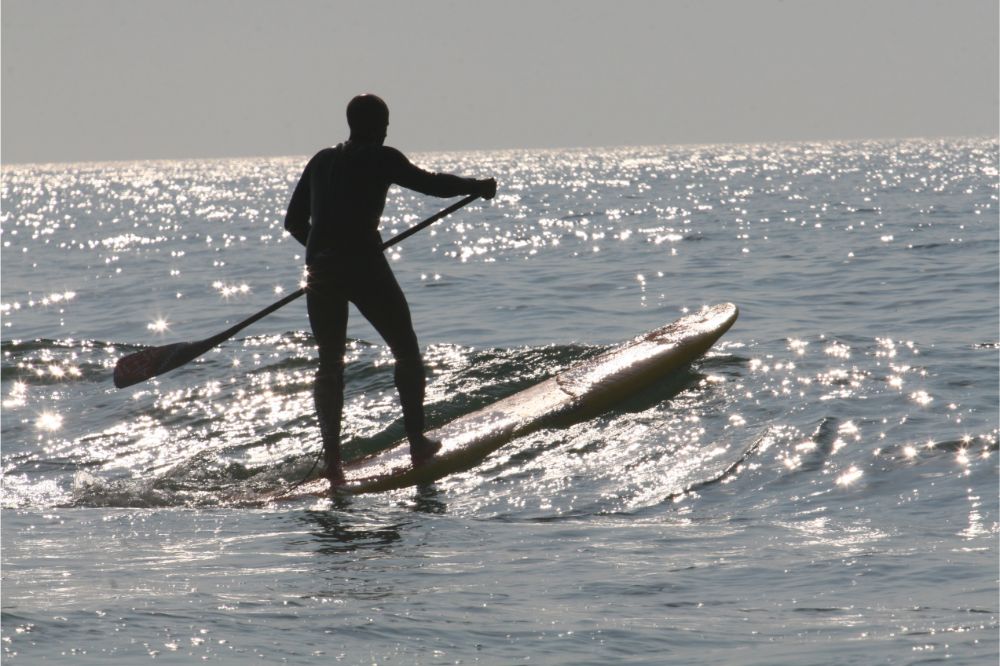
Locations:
(333, 533)
(430, 500)
(338, 527)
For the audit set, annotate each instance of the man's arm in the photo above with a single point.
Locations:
(401, 171)
(297, 217)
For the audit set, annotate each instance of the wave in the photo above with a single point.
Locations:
(239, 423)
(207, 445)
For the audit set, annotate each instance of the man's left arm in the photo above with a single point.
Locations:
(297, 217)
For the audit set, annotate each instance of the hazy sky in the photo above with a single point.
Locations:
(134, 79)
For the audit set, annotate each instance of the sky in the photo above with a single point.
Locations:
(100, 80)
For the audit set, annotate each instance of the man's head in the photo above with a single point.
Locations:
(368, 118)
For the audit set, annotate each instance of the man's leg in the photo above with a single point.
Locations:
(383, 304)
(328, 317)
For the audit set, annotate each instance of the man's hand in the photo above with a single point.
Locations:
(488, 188)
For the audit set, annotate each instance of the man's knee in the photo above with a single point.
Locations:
(330, 374)
(409, 363)
(405, 348)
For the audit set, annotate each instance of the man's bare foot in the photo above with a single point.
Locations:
(423, 449)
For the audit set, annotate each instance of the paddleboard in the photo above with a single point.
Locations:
(584, 390)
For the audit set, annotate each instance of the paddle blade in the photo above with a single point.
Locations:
(154, 361)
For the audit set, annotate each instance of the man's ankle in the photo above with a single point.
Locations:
(423, 448)
(335, 475)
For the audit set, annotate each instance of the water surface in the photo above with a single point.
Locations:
(820, 488)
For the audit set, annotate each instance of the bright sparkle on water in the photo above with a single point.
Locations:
(158, 325)
(49, 421)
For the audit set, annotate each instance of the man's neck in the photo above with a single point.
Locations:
(366, 140)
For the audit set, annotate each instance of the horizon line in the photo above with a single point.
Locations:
(210, 158)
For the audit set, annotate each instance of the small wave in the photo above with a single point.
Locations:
(203, 446)
(47, 361)
(981, 445)
(192, 440)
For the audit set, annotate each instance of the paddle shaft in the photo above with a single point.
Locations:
(230, 332)
(154, 361)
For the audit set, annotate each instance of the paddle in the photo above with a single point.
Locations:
(154, 361)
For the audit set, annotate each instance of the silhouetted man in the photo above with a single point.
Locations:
(342, 191)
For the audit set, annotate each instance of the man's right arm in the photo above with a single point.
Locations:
(401, 171)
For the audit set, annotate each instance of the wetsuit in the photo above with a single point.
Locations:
(342, 191)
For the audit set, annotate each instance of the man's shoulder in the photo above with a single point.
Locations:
(322, 155)
(329, 151)
(325, 158)
(393, 159)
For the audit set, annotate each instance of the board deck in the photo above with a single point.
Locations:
(582, 391)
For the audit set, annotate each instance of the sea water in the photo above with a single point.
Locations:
(821, 488)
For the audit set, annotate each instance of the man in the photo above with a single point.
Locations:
(335, 212)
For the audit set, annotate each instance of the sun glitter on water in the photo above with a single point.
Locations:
(158, 325)
(49, 421)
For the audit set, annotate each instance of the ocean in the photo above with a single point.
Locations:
(820, 488)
